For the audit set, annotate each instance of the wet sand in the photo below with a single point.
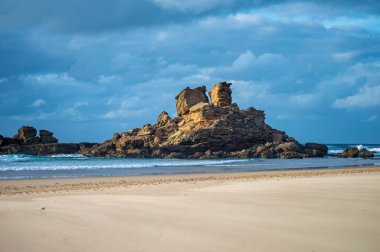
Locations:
(309, 210)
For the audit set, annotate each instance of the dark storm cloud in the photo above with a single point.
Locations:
(18, 56)
(103, 15)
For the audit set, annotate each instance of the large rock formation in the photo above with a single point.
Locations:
(207, 130)
(201, 130)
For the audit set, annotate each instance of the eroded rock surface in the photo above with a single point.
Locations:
(220, 95)
(190, 97)
(47, 137)
(27, 135)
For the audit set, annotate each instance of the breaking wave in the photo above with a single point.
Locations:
(75, 162)
(338, 148)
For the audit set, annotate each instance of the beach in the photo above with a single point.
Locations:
(291, 210)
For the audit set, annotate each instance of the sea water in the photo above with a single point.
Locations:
(63, 166)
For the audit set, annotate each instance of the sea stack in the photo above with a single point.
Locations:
(207, 129)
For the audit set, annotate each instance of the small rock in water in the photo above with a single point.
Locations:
(354, 152)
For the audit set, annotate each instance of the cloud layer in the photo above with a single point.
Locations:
(88, 70)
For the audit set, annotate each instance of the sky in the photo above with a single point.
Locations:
(86, 69)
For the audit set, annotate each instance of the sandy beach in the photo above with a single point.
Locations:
(308, 210)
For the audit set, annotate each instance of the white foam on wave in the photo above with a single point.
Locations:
(71, 167)
(335, 151)
(88, 163)
(68, 156)
(361, 147)
(14, 158)
(374, 149)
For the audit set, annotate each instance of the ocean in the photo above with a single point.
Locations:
(69, 166)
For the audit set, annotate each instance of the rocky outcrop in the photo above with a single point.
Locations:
(163, 119)
(41, 149)
(47, 137)
(354, 152)
(351, 152)
(219, 129)
(27, 135)
(27, 142)
(202, 129)
(27, 132)
(220, 95)
(364, 153)
(190, 97)
(4, 141)
(315, 149)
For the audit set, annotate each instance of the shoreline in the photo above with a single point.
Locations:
(308, 210)
(24, 187)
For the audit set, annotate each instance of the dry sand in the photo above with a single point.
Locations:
(317, 210)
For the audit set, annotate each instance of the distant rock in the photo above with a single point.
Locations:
(8, 141)
(45, 133)
(351, 152)
(47, 137)
(26, 141)
(219, 129)
(355, 152)
(288, 147)
(26, 132)
(364, 153)
(45, 149)
(32, 140)
(291, 155)
(27, 135)
(315, 150)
